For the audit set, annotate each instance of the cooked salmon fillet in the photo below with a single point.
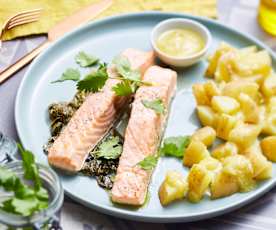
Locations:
(142, 137)
(91, 121)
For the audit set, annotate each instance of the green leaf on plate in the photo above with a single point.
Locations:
(124, 88)
(123, 67)
(156, 105)
(70, 74)
(110, 149)
(175, 146)
(148, 163)
(85, 60)
(94, 81)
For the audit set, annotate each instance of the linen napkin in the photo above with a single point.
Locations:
(56, 10)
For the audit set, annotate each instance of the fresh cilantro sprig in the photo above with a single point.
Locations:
(156, 105)
(70, 74)
(26, 198)
(85, 60)
(131, 79)
(109, 149)
(175, 146)
(94, 81)
(123, 67)
(123, 88)
(149, 162)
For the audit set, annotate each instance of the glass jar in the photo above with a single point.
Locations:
(45, 219)
(8, 149)
(267, 16)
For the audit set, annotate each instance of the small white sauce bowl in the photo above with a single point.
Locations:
(180, 23)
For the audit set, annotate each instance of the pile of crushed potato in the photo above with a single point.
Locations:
(237, 105)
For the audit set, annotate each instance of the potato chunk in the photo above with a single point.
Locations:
(269, 86)
(174, 187)
(244, 135)
(249, 108)
(225, 150)
(211, 164)
(225, 123)
(206, 115)
(235, 88)
(213, 60)
(258, 160)
(211, 89)
(200, 94)
(266, 173)
(240, 167)
(248, 50)
(206, 135)
(224, 67)
(269, 124)
(195, 152)
(223, 184)
(252, 63)
(268, 146)
(204, 92)
(224, 104)
(271, 106)
(198, 179)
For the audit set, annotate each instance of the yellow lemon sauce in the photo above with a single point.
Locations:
(180, 42)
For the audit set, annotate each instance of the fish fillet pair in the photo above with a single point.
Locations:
(91, 121)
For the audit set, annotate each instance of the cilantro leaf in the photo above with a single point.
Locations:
(123, 67)
(26, 206)
(85, 60)
(94, 81)
(148, 163)
(110, 149)
(30, 168)
(7, 206)
(26, 199)
(175, 146)
(156, 105)
(123, 88)
(70, 74)
(8, 179)
(42, 194)
(23, 191)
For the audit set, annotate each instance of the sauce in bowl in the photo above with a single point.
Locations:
(180, 42)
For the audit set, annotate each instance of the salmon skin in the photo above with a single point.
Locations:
(142, 137)
(93, 119)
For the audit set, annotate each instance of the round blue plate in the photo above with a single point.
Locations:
(105, 39)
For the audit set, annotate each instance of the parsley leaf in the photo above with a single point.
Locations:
(110, 149)
(94, 81)
(85, 60)
(156, 105)
(123, 88)
(175, 146)
(148, 163)
(69, 75)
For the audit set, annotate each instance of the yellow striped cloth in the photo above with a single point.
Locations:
(56, 10)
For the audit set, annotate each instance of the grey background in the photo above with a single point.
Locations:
(261, 214)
